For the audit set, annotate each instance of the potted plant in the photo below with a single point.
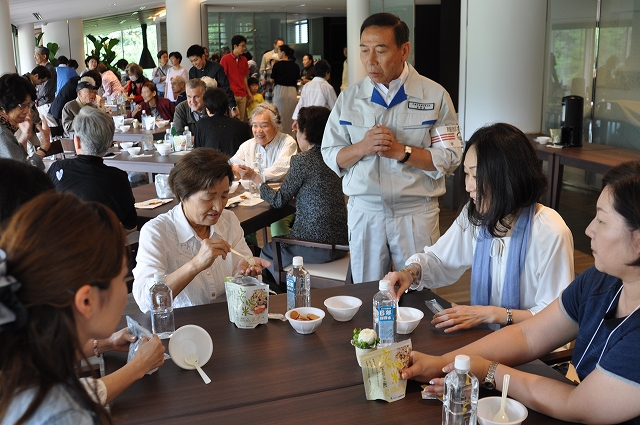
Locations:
(364, 340)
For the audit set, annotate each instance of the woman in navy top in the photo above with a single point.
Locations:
(599, 310)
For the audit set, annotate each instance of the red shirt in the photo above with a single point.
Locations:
(236, 68)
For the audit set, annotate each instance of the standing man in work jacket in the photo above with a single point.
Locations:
(393, 136)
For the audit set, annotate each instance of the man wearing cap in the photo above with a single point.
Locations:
(86, 96)
(393, 136)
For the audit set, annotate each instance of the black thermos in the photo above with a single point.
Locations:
(571, 125)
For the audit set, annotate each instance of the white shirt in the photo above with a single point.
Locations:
(275, 155)
(389, 93)
(168, 242)
(548, 265)
(317, 92)
(168, 90)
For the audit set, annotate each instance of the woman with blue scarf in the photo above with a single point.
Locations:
(520, 252)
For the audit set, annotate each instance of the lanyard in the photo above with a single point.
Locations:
(601, 322)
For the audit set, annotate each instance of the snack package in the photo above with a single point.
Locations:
(381, 371)
(138, 330)
(247, 301)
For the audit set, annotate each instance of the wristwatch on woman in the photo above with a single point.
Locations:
(490, 380)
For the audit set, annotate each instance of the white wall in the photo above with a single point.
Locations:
(502, 44)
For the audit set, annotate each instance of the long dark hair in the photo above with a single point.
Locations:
(46, 251)
(509, 176)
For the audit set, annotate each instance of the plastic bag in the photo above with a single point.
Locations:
(381, 370)
(162, 186)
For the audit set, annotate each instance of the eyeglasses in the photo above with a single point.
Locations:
(26, 105)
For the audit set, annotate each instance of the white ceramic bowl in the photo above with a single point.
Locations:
(125, 128)
(161, 123)
(134, 150)
(234, 186)
(543, 140)
(343, 307)
(126, 145)
(489, 406)
(164, 149)
(190, 339)
(305, 326)
(128, 121)
(408, 319)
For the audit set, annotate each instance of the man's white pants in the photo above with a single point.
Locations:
(378, 236)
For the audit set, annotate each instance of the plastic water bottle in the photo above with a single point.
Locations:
(298, 285)
(460, 394)
(167, 138)
(174, 132)
(258, 165)
(187, 136)
(385, 308)
(162, 321)
(144, 115)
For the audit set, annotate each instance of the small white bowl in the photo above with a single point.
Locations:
(161, 123)
(126, 145)
(343, 307)
(134, 150)
(125, 128)
(543, 140)
(305, 326)
(234, 186)
(164, 149)
(489, 406)
(408, 319)
(190, 339)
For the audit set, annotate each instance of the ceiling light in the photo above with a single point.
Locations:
(143, 7)
(37, 16)
(122, 22)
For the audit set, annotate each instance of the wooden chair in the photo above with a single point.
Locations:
(334, 273)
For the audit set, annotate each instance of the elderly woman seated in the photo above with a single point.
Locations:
(153, 105)
(321, 209)
(86, 91)
(16, 101)
(192, 243)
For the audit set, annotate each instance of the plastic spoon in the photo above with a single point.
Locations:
(192, 360)
(501, 416)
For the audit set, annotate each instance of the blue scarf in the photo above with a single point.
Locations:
(481, 268)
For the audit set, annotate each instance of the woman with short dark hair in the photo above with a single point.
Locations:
(285, 75)
(17, 96)
(520, 252)
(192, 243)
(321, 214)
(175, 70)
(135, 83)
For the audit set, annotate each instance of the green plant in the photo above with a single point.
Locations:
(109, 54)
(53, 49)
(39, 38)
(368, 340)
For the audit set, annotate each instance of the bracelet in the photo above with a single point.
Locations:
(414, 275)
(43, 150)
(509, 316)
(95, 348)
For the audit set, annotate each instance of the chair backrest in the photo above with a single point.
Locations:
(68, 147)
(322, 275)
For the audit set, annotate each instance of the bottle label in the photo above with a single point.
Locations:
(291, 296)
(386, 317)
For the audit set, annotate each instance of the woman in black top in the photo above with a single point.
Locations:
(321, 212)
(285, 75)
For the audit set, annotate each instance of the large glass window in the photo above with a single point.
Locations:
(599, 60)
(298, 32)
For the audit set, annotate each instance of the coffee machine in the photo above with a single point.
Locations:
(571, 125)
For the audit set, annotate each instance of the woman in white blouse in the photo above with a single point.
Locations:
(175, 70)
(520, 252)
(192, 243)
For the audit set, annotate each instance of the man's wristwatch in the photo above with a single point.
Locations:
(407, 154)
(43, 150)
(234, 108)
(490, 380)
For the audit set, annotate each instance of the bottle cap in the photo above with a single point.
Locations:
(384, 285)
(186, 127)
(463, 362)
(159, 277)
(297, 261)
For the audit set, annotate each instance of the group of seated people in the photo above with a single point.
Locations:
(520, 253)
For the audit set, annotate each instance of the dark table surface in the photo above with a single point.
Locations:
(271, 374)
(251, 218)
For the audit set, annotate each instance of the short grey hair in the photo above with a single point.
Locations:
(42, 51)
(95, 130)
(270, 109)
(195, 83)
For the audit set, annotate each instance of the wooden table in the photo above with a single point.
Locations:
(251, 218)
(156, 163)
(136, 134)
(589, 157)
(271, 374)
